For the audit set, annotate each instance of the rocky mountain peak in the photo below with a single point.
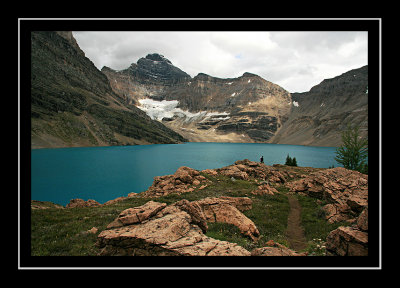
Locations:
(157, 57)
(67, 35)
(155, 68)
(247, 74)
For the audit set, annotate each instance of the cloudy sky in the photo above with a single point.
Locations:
(296, 61)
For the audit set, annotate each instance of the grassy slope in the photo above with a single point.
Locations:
(62, 231)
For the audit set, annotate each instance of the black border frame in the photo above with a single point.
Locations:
(373, 26)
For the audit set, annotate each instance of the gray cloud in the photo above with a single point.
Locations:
(294, 60)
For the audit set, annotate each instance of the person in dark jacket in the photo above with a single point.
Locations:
(262, 159)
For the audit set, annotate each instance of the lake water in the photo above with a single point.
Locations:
(105, 173)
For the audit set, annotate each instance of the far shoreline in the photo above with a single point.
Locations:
(305, 145)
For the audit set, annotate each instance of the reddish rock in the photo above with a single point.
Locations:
(275, 249)
(211, 172)
(345, 190)
(195, 211)
(178, 183)
(350, 240)
(137, 214)
(82, 203)
(264, 189)
(234, 171)
(347, 241)
(173, 231)
(225, 210)
(185, 174)
(362, 220)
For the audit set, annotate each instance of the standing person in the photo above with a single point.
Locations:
(262, 159)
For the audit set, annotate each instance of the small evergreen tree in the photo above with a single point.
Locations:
(288, 160)
(353, 153)
(291, 161)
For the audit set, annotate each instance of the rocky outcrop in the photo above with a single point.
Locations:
(246, 169)
(346, 192)
(44, 205)
(264, 189)
(184, 180)
(155, 229)
(350, 240)
(80, 203)
(227, 210)
(275, 249)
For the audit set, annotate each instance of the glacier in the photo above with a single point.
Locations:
(158, 110)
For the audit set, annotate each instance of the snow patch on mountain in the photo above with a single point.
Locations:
(158, 110)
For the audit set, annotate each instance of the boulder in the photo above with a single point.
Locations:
(185, 174)
(347, 241)
(224, 210)
(235, 172)
(136, 214)
(211, 172)
(350, 240)
(174, 230)
(178, 183)
(82, 203)
(346, 191)
(275, 251)
(94, 230)
(35, 204)
(195, 211)
(264, 189)
(246, 169)
(362, 220)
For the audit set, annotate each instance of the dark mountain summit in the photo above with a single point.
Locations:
(155, 68)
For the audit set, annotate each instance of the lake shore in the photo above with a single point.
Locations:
(104, 173)
(222, 142)
(266, 187)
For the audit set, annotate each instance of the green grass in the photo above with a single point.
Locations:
(63, 231)
(270, 213)
(316, 228)
(60, 232)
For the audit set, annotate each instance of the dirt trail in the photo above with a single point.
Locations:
(294, 232)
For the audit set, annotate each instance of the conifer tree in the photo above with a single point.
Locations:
(288, 160)
(353, 153)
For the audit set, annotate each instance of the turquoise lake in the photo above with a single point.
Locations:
(105, 173)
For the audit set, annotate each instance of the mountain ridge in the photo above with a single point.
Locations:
(208, 109)
(326, 110)
(152, 101)
(72, 103)
(247, 108)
